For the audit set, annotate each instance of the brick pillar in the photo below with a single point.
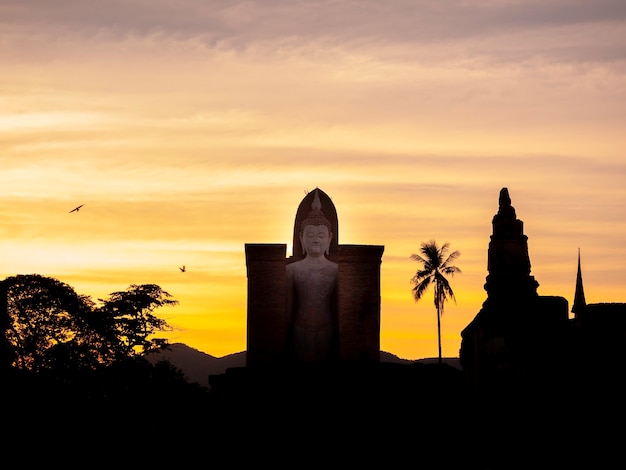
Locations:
(266, 323)
(359, 303)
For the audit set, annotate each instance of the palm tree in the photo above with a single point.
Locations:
(437, 264)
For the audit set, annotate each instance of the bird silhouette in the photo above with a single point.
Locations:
(183, 269)
(77, 208)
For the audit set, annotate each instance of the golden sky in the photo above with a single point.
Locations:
(190, 128)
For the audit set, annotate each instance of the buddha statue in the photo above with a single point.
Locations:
(311, 291)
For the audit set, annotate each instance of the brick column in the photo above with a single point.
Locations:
(359, 303)
(266, 321)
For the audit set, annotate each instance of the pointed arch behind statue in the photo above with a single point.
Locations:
(328, 208)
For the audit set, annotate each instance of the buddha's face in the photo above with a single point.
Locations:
(315, 240)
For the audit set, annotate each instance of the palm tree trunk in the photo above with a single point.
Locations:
(5, 323)
(439, 333)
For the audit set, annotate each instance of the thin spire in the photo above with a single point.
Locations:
(579, 296)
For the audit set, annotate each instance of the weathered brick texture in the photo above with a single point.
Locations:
(267, 326)
(359, 302)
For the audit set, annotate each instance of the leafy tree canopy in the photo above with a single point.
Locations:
(51, 328)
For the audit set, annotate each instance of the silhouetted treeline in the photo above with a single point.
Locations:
(81, 365)
(49, 328)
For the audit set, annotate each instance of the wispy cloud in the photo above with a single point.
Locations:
(192, 127)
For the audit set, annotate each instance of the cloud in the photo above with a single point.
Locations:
(190, 126)
(240, 25)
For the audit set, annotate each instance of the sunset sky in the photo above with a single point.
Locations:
(189, 128)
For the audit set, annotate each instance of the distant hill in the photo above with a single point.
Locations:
(197, 365)
(389, 357)
(452, 361)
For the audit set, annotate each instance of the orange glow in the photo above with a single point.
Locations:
(186, 142)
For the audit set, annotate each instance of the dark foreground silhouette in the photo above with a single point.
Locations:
(387, 415)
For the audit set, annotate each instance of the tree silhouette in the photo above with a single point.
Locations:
(436, 265)
(126, 319)
(48, 327)
(80, 365)
(45, 321)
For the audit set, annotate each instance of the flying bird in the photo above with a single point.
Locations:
(183, 269)
(77, 208)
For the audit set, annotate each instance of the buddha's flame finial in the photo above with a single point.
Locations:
(316, 205)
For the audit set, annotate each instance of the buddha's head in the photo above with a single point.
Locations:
(315, 230)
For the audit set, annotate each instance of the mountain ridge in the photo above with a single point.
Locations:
(197, 365)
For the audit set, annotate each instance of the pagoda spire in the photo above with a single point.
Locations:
(579, 295)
